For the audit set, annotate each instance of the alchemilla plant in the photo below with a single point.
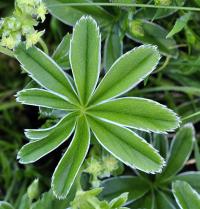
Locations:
(93, 106)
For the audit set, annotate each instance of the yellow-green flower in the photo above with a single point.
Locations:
(41, 12)
(32, 39)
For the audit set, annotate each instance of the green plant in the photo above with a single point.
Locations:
(86, 107)
(147, 191)
(186, 197)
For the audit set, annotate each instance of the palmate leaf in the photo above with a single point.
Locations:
(35, 150)
(43, 98)
(45, 71)
(85, 60)
(186, 197)
(88, 108)
(72, 160)
(130, 69)
(139, 113)
(127, 146)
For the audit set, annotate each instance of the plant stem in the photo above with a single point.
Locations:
(151, 6)
(44, 46)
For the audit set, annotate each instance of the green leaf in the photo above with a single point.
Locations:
(135, 186)
(180, 23)
(85, 60)
(163, 201)
(113, 48)
(5, 205)
(146, 202)
(129, 70)
(43, 98)
(126, 146)
(35, 134)
(179, 152)
(186, 197)
(35, 150)
(68, 167)
(137, 113)
(119, 201)
(191, 177)
(45, 71)
(161, 143)
(61, 54)
(156, 35)
(70, 14)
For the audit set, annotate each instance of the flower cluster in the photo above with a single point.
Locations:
(89, 199)
(21, 25)
(102, 166)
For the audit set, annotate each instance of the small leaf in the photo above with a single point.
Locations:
(180, 23)
(113, 48)
(135, 186)
(186, 197)
(179, 152)
(43, 98)
(85, 60)
(127, 146)
(191, 177)
(45, 71)
(35, 150)
(137, 113)
(129, 70)
(5, 205)
(68, 167)
(61, 54)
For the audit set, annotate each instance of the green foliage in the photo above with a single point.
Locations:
(186, 197)
(147, 191)
(89, 107)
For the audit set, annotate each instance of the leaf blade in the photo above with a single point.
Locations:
(85, 60)
(45, 71)
(129, 70)
(186, 197)
(43, 98)
(183, 142)
(115, 139)
(68, 167)
(35, 150)
(137, 113)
